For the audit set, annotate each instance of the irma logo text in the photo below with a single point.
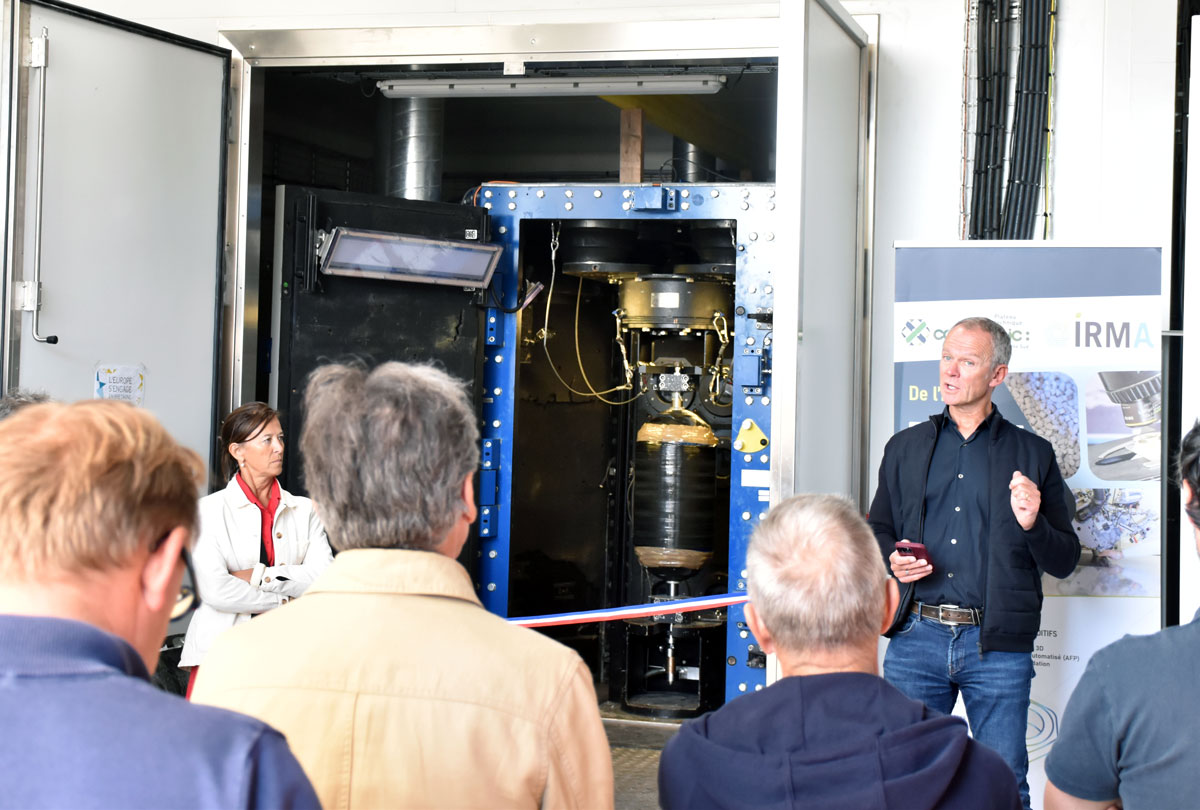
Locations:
(1112, 335)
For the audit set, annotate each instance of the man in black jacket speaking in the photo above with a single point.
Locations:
(989, 504)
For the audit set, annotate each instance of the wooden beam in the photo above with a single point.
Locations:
(689, 119)
(632, 145)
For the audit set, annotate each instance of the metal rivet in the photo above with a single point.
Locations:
(770, 206)
(766, 341)
(569, 193)
(503, 229)
(715, 193)
(512, 194)
(766, 400)
(492, 319)
(758, 687)
(770, 237)
(540, 193)
(754, 237)
(768, 289)
(627, 194)
(685, 193)
(762, 515)
(625, 206)
(745, 573)
(491, 339)
(487, 193)
(749, 400)
(487, 205)
(741, 687)
(597, 193)
(764, 458)
(741, 248)
(685, 206)
(491, 586)
(569, 206)
(495, 423)
(745, 206)
(749, 458)
(737, 445)
(497, 391)
(487, 511)
(750, 340)
(512, 206)
(745, 515)
(499, 358)
(493, 554)
(744, 634)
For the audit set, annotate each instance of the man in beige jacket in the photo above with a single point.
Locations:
(393, 685)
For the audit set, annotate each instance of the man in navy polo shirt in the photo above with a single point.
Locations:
(989, 503)
(97, 508)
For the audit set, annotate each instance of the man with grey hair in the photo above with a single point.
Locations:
(394, 686)
(970, 511)
(830, 732)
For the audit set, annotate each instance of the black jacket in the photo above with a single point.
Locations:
(1016, 558)
(842, 741)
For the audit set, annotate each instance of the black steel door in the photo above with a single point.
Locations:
(326, 318)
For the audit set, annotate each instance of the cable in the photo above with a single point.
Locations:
(1049, 119)
(554, 231)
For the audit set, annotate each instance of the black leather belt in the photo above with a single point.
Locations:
(948, 614)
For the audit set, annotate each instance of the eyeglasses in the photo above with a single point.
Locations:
(188, 598)
(189, 594)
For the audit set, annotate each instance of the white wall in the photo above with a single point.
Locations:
(1114, 105)
(1114, 102)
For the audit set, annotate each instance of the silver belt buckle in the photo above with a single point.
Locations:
(954, 622)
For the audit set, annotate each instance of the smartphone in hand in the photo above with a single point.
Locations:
(916, 550)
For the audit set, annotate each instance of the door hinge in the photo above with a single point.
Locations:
(29, 296)
(39, 50)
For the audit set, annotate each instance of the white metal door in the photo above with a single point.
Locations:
(127, 198)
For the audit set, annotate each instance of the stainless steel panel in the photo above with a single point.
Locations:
(508, 43)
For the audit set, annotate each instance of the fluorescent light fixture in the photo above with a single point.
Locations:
(555, 86)
(401, 257)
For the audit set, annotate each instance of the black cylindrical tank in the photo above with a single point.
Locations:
(674, 473)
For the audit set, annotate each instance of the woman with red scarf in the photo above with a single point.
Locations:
(259, 545)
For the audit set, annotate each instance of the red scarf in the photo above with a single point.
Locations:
(267, 513)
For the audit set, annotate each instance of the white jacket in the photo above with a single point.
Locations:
(230, 540)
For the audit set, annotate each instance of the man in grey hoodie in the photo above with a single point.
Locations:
(830, 733)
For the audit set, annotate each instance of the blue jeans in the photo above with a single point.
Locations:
(933, 662)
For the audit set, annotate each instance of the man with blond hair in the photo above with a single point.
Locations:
(97, 508)
(831, 732)
(393, 684)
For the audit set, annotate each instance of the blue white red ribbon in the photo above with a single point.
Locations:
(633, 611)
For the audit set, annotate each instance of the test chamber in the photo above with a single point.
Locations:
(621, 362)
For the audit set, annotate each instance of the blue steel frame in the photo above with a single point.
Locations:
(752, 206)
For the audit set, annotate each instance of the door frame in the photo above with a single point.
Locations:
(780, 36)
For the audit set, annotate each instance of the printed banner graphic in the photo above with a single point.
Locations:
(1085, 375)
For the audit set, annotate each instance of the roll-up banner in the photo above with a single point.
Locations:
(1086, 374)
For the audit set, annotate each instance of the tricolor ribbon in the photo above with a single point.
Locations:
(633, 611)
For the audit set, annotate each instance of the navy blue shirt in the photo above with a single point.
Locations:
(956, 517)
(83, 728)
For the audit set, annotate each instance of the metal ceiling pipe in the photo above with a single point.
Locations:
(692, 164)
(414, 148)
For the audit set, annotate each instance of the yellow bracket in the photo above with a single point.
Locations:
(750, 438)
